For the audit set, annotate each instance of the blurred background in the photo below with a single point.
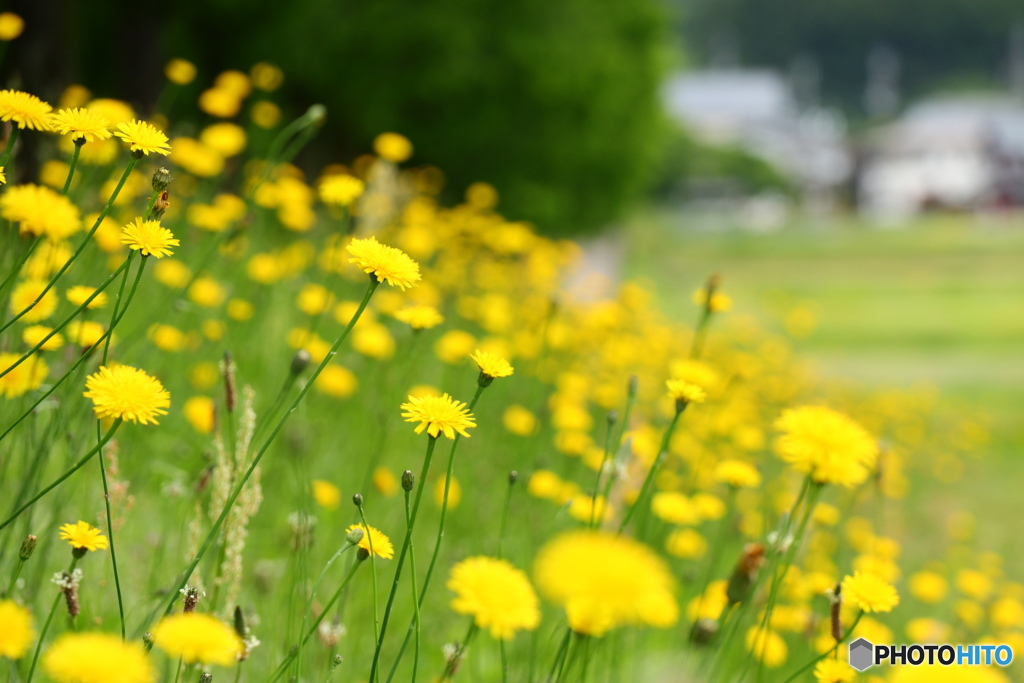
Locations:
(854, 171)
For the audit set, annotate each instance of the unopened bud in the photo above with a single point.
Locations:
(357, 498)
(317, 114)
(161, 179)
(704, 631)
(632, 385)
(300, 361)
(612, 417)
(192, 596)
(513, 477)
(28, 546)
(205, 678)
(408, 480)
(742, 578)
(355, 535)
(227, 368)
(837, 604)
(336, 662)
(239, 623)
(160, 206)
(362, 553)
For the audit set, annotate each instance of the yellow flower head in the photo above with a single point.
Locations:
(83, 535)
(326, 494)
(80, 124)
(40, 211)
(438, 414)
(26, 110)
(737, 474)
(685, 392)
(197, 637)
(420, 317)
(149, 238)
(768, 646)
(341, 189)
(16, 634)
(491, 365)
(381, 544)
(604, 580)
(829, 446)
(29, 294)
(127, 393)
(143, 137)
(719, 303)
(498, 596)
(26, 377)
(97, 658)
(35, 334)
(393, 147)
(180, 71)
(11, 26)
(869, 593)
(386, 263)
(831, 670)
(79, 294)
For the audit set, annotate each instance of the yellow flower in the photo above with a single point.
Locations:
(3, 176)
(326, 494)
(196, 637)
(34, 334)
(491, 365)
(720, 303)
(87, 332)
(127, 393)
(340, 189)
(16, 632)
(685, 392)
(97, 658)
(737, 474)
(604, 580)
(454, 346)
(207, 292)
(768, 646)
(675, 508)
(27, 110)
(79, 294)
(928, 587)
(40, 211)
(381, 544)
(80, 124)
(869, 593)
(180, 71)
(266, 76)
(686, 543)
(831, 670)
(28, 376)
(220, 102)
(393, 147)
(420, 317)
(498, 596)
(149, 238)
(265, 114)
(201, 413)
(228, 139)
(337, 381)
(11, 26)
(519, 420)
(83, 535)
(438, 415)
(829, 446)
(385, 481)
(454, 492)
(25, 296)
(386, 263)
(143, 137)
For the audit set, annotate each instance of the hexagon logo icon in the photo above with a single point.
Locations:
(861, 654)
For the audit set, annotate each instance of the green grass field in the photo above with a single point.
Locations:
(939, 302)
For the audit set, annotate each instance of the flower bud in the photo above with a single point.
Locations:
(161, 179)
(300, 361)
(28, 546)
(742, 578)
(357, 498)
(362, 553)
(612, 417)
(408, 480)
(205, 678)
(336, 662)
(355, 535)
(227, 368)
(632, 385)
(513, 477)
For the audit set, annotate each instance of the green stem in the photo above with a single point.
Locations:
(77, 466)
(415, 596)
(19, 264)
(453, 664)
(14, 577)
(373, 572)
(15, 131)
(504, 516)
(825, 654)
(563, 647)
(81, 247)
(431, 443)
(212, 535)
(309, 607)
(74, 164)
(600, 471)
(504, 660)
(653, 471)
(46, 625)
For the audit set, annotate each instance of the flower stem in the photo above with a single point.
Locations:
(373, 572)
(46, 625)
(6, 157)
(641, 498)
(212, 535)
(74, 468)
(309, 607)
(431, 443)
(822, 656)
(74, 164)
(415, 597)
(504, 516)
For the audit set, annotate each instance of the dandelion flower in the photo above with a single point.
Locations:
(340, 189)
(831, 670)
(180, 71)
(16, 631)
(80, 124)
(149, 238)
(381, 544)
(420, 317)
(79, 294)
(34, 334)
(870, 593)
(827, 445)
(3, 176)
(326, 494)
(29, 295)
(685, 392)
(11, 26)
(386, 263)
(126, 393)
(40, 211)
(768, 646)
(197, 637)
(27, 376)
(143, 137)
(737, 474)
(438, 414)
(97, 658)
(492, 365)
(26, 110)
(83, 536)
(604, 580)
(393, 147)
(498, 596)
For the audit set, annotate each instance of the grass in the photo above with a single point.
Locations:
(938, 302)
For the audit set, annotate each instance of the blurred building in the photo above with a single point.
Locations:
(951, 153)
(756, 109)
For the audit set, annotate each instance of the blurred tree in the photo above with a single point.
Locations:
(554, 103)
